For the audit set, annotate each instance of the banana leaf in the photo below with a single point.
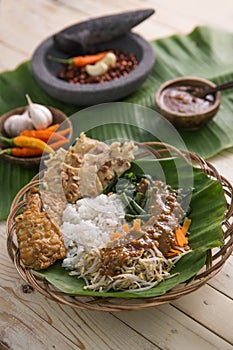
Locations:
(207, 213)
(206, 52)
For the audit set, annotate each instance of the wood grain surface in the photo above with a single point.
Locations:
(28, 320)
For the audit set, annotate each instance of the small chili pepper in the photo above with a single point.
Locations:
(25, 152)
(43, 135)
(53, 127)
(22, 152)
(25, 141)
(58, 144)
(80, 61)
(64, 131)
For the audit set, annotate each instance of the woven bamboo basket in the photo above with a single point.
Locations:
(215, 258)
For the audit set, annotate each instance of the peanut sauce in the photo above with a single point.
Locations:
(179, 99)
(157, 232)
(114, 259)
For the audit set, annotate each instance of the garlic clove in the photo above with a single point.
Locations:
(17, 123)
(38, 118)
(40, 115)
(101, 66)
(96, 69)
(27, 120)
(110, 59)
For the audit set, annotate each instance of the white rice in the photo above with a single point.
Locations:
(88, 224)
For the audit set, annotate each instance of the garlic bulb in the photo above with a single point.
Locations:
(17, 123)
(40, 115)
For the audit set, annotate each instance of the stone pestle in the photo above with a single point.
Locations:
(79, 38)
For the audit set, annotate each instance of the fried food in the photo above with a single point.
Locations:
(87, 168)
(39, 238)
(54, 205)
(84, 171)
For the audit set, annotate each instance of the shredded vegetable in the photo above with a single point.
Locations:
(144, 252)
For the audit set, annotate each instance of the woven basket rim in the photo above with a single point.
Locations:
(214, 262)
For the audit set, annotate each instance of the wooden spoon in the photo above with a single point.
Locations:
(202, 93)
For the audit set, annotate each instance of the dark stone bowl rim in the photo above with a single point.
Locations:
(46, 77)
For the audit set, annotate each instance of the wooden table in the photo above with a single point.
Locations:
(201, 320)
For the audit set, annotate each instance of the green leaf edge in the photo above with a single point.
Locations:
(195, 260)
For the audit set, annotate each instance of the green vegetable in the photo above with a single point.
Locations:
(127, 203)
(111, 186)
(136, 207)
(131, 217)
(139, 197)
(202, 42)
(208, 208)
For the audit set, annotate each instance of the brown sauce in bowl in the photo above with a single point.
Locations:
(179, 99)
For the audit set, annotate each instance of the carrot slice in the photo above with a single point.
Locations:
(173, 252)
(137, 224)
(115, 235)
(185, 226)
(126, 228)
(181, 240)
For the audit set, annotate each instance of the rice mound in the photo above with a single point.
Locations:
(87, 225)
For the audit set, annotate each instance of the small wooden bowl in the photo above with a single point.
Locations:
(184, 120)
(32, 162)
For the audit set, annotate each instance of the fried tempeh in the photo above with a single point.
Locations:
(39, 238)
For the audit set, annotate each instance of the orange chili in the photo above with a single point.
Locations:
(22, 152)
(53, 127)
(26, 141)
(43, 135)
(80, 61)
(58, 144)
(64, 131)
